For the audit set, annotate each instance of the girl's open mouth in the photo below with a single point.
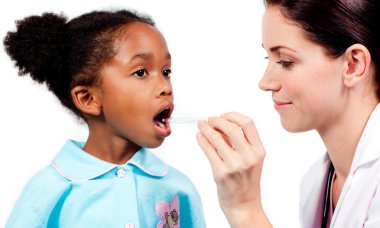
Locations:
(160, 120)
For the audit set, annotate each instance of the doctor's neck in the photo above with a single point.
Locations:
(341, 138)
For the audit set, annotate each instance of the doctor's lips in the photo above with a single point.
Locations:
(163, 115)
(280, 104)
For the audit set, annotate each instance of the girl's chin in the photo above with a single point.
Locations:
(154, 144)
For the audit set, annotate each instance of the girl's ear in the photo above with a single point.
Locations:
(357, 60)
(87, 100)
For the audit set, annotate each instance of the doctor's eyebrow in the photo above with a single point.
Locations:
(277, 48)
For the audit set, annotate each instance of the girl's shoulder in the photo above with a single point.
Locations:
(178, 175)
(45, 185)
(46, 178)
(38, 198)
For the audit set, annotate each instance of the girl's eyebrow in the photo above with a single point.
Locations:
(146, 56)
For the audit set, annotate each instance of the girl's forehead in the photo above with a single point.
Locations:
(139, 39)
(138, 33)
(136, 29)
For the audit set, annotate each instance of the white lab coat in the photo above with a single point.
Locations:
(359, 201)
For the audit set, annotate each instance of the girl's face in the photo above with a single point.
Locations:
(136, 91)
(306, 84)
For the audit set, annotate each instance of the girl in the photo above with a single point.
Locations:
(112, 69)
(323, 75)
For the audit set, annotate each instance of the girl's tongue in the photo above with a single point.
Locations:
(160, 124)
(160, 119)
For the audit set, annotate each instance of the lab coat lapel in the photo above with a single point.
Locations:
(313, 193)
(352, 212)
(368, 149)
(366, 154)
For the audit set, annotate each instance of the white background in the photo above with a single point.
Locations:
(217, 63)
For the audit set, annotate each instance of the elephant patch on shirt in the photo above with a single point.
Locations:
(169, 213)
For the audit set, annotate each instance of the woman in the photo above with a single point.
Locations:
(322, 72)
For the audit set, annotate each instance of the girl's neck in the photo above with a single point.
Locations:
(342, 137)
(109, 147)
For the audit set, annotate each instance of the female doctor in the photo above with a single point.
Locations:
(324, 74)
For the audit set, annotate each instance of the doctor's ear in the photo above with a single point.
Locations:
(357, 62)
(87, 100)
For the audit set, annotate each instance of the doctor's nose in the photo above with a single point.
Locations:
(270, 82)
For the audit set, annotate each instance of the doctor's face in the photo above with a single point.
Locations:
(306, 83)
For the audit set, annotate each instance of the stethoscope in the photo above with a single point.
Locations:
(326, 207)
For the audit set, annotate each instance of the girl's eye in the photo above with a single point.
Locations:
(167, 72)
(285, 64)
(140, 73)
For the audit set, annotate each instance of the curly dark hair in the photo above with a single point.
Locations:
(64, 54)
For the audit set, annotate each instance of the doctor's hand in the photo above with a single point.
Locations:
(236, 155)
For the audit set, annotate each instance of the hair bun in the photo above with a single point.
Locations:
(38, 46)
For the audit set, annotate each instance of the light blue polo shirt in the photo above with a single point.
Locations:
(80, 190)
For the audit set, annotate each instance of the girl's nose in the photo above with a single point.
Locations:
(165, 88)
(166, 92)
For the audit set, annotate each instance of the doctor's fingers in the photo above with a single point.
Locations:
(234, 160)
(216, 141)
(227, 175)
(214, 159)
(231, 168)
(246, 124)
(232, 131)
(257, 155)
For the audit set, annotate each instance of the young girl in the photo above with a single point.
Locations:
(323, 74)
(112, 69)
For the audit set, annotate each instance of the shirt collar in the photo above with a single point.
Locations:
(368, 148)
(77, 165)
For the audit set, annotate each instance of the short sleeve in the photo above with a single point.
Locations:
(38, 200)
(23, 216)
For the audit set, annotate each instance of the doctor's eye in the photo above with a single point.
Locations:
(167, 72)
(285, 64)
(140, 73)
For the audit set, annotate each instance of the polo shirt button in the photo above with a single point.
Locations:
(129, 225)
(120, 172)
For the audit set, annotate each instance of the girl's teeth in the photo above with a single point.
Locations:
(161, 125)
